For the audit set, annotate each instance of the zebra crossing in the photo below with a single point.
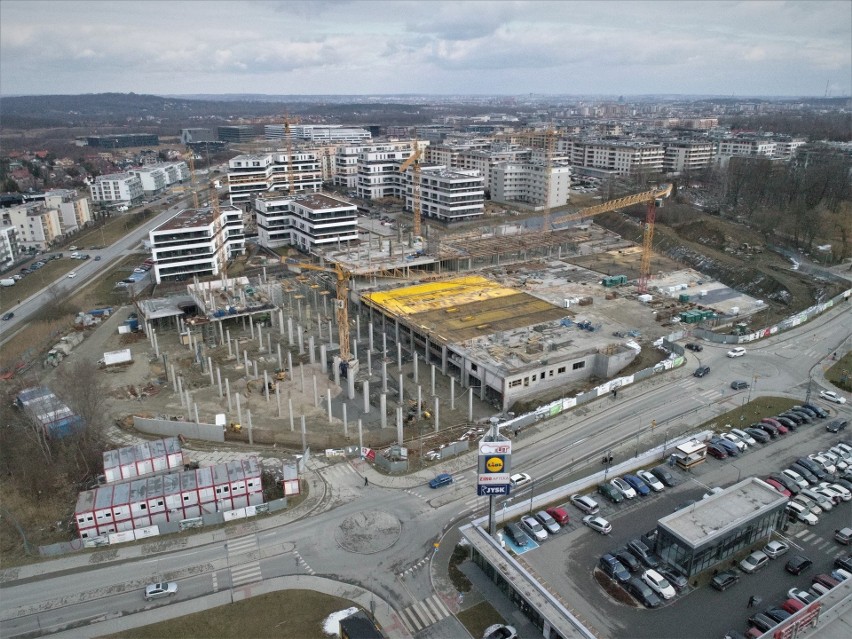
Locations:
(820, 542)
(424, 613)
(247, 572)
(710, 393)
(343, 472)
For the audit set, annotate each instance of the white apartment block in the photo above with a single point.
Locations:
(378, 173)
(305, 221)
(252, 175)
(9, 249)
(117, 189)
(74, 210)
(446, 195)
(156, 178)
(787, 148)
(687, 155)
(346, 160)
(622, 158)
(484, 161)
(528, 183)
(320, 133)
(196, 242)
(36, 226)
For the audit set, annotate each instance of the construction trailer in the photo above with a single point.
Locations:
(147, 458)
(49, 412)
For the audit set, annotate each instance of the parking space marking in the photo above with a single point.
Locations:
(808, 536)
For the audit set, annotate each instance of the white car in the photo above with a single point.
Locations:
(585, 503)
(831, 396)
(839, 462)
(739, 351)
(823, 463)
(598, 523)
(748, 439)
(72, 275)
(736, 441)
(649, 478)
(519, 479)
(795, 477)
(624, 488)
(658, 584)
(158, 590)
(802, 595)
(802, 514)
(775, 549)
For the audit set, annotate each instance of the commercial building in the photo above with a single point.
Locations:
(252, 175)
(348, 160)
(189, 136)
(36, 226)
(378, 173)
(485, 160)
(687, 155)
(9, 249)
(697, 538)
(305, 221)
(174, 497)
(322, 134)
(528, 183)
(622, 158)
(196, 242)
(73, 208)
(236, 133)
(123, 140)
(117, 189)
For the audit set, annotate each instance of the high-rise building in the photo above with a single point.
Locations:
(305, 221)
(252, 175)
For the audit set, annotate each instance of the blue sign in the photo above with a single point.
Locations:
(484, 491)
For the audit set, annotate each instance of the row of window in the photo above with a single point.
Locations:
(545, 374)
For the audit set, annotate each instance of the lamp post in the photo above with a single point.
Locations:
(506, 502)
(532, 493)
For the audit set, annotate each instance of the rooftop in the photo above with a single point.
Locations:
(192, 218)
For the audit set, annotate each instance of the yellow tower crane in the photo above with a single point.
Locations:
(288, 143)
(414, 162)
(192, 186)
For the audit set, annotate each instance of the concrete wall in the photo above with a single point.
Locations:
(190, 430)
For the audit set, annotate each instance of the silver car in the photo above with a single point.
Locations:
(160, 590)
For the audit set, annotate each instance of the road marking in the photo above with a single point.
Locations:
(424, 613)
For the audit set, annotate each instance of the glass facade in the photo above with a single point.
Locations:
(692, 560)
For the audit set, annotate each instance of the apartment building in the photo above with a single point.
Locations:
(319, 133)
(196, 242)
(446, 195)
(347, 158)
(305, 221)
(117, 189)
(73, 208)
(619, 157)
(156, 178)
(687, 155)
(36, 225)
(378, 173)
(528, 183)
(251, 175)
(9, 249)
(485, 160)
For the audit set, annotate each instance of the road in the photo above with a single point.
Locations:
(382, 538)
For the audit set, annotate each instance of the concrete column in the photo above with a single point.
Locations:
(304, 435)
(312, 356)
(195, 407)
(266, 385)
(437, 414)
(358, 327)
(239, 409)
(360, 438)
(237, 350)
(180, 389)
(316, 393)
(280, 363)
(384, 376)
(299, 308)
(433, 377)
(289, 331)
(156, 343)
(335, 370)
(370, 336)
(419, 401)
(482, 386)
(383, 409)
(396, 330)
(210, 368)
(221, 334)
(366, 397)
(399, 355)
(174, 377)
(399, 425)
(219, 380)
(188, 401)
(328, 404)
(248, 419)
(290, 411)
(384, 344)
(470, 406)
(290, 364)
(330, 334)
(300, 337)
(302, 376)
(413, 345)
(345, 423)
(452, 393)
(350, 385)
(254, 364)
(416, 362)
(246, 361)
(278, 398)
(354, 349)
(228, 394)
(281, 321)
(370, 363)
(251, 326)
(230, 352)
(269, 342)
(444, 359)
(324, 358)
(401, 394)
(260, 347)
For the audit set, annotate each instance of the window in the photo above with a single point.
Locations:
(514, 383)
(578, 365)
(533, 378)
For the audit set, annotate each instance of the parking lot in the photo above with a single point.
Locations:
(566, 562)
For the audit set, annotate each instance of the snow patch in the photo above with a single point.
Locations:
(331, 624)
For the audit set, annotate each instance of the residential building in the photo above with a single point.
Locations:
(158, 177)
(37, 226)
(378, 173)
(347, 158)
(687, 155)
(9, 250)
(117, 189)
(623, 158)
(189, 136)
(237, 133)
(445, 195)
(252, 175)
(528, 183)
(484, 160)
(123, 140)
(196, 242)
(305, 221)
(74, 210)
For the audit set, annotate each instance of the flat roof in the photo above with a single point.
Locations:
(188, 218)
(718, 514)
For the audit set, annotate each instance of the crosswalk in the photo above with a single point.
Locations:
(424, 613)
(246, 572)
(342, 473)
(808, 536)
(710, 393)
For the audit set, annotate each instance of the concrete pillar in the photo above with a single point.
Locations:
(266, 385)
(328, 404)
(251, 326)
(444, 359)
(180, 389)
(290, 412)
(384, 344)
(312, 356)
(437, 414)
(396, 330)
(416, 372)
(246, 363)
(330, 334)
(401, 394)
(281, 321)
(350, 385)
(290, 364)
(360, 438)
(383, 409)
(345, 423)
(482, 386)
(384, 376)
(366, 397)
(230, 352)
(452, 393)
(302, 376)
(354, 349)
(433, 377)
(304, 435)
(299, 308)
(156, 343)
(174, 377)
(289, 331)
(254, 363)
(239, 409)
(228, 394)
(210, 368)
(419, 401)
(219, 380)
(300, 337)
(269, 342)
(470, 406)
(358, 327)
(316, 393)
(399, 425)
(335, 370)
(260, 347)
(195, 407)
(369, 363)
(280, 363)
(188, 401)
(248, 419)
(370, 336)
(278, 398)
(399, 355)
(323, 358)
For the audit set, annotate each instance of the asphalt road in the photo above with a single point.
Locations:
(390, 561)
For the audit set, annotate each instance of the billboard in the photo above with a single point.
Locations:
(493, 467)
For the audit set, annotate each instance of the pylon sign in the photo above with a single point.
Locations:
(494, 465)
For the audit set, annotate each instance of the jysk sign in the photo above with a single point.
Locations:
(485, 491)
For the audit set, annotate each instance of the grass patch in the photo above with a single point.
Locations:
(477, 618)
(457, 577)
(34, 282)
(750, 413)
(840, 373)
(113, 230)
(288, 614)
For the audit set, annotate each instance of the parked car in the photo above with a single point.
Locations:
(808, 503)
(638, 485)
(759, 435)
(736, 441)
(775, 549)
(739, 384)
(613, 568)
(844, 562)
(518, 536)
(676, 579)
(769, 429)
(778, 486)
(805, 472)
(692, 346)
(777, 614)
(725, 580)
(754, 562)
(701, 371)
(610, 492)
(444, 479)
(559, 514)
(793, 476)
(826, 580)
(643, 593)
(533, 528)
(836, 425)
(801, 595)
(627, 491)
(821, 412)
(717, 451)
(520, 479)
(788, 483)
(658, 584)
(843, 535)
(824, 463)
(627, 559)
(664, 475)
(762, 622)
(585, 503)
(824, 502)
(500, 631)
(801, 513)
(729, 446)
(812, 466)
(831, 396)
(598, 523)
(641, 551)
(160, 590)
(738, 351)
(548, 522)
(746, 437)
(652, 482)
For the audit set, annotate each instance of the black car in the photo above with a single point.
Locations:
(834, 426)
(642, 553)
(762, 622)
(694, 347)
(801, 414)
(769, 429)
(797, 564)
(701, 371)
(643, 593)
(786, 421)
(807, 411)
(610, 492)
(727, 444)
(792, 415)
(844, 562)
(8, 316)
(777, 614)
(739, 384)
(759, 434)
(785, 481)
(628, 560)
(714, 450)
(613, 568)
(676, 579)
(819, 411)
(804, 471)
(813, 467)
(725, 580)
(662, 473)
(517, 535)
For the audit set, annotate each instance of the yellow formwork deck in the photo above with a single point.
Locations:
(464, 308)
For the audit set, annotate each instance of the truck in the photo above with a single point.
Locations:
(7, 282)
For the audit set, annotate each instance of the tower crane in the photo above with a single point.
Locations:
(191, 159)
(414, 162)
(288, 142)
(646, 197)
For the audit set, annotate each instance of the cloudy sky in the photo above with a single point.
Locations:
(463, 47)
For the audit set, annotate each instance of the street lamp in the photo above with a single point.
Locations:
(506, 502)
(532, 493)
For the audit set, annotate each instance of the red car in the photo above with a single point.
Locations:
(777, 485)
(559, 514)
(716, 451)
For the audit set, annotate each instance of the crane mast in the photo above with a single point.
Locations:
(413, 161)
